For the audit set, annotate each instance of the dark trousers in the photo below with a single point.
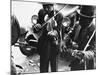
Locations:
(44, 64)
(48, 54)
(75, 65)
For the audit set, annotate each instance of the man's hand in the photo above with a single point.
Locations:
(37, 27)
(78, 54)
(74, 45)
(53, 34)
(63, 46)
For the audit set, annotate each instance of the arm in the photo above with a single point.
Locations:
(41, 16)
(40, 21)
(90, 53)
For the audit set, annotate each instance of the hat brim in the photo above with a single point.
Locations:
(94, 16)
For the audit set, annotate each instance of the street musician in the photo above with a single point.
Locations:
(47, 43)
(85, 38)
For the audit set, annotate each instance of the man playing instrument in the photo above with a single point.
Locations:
(84, 37)
(48, 41)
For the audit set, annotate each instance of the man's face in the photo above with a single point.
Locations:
(85, 22)
(48, 8)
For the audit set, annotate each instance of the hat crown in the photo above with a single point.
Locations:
(88, 11)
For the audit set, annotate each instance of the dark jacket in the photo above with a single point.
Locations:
(47, 49)
(58, 19)
(83, 36)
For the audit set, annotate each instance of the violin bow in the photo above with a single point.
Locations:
(53, 16)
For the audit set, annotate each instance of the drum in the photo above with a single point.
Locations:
(17, 39)
(28, 50)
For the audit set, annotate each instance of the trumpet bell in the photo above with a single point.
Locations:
(34, 19)
(66, 22)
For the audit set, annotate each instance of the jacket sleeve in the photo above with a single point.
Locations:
(89, 54)
(41, 16)
(91, 51)
(59, 19)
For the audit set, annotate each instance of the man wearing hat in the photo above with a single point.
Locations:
(85, 38)
(46, 44)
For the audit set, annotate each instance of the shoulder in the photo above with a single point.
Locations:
(59, 15)
(41, 11)
(92, 27)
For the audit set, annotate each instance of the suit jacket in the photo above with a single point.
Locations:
(43, 40)
(82, 36)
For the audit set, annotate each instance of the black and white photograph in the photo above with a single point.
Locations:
(52, 37)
